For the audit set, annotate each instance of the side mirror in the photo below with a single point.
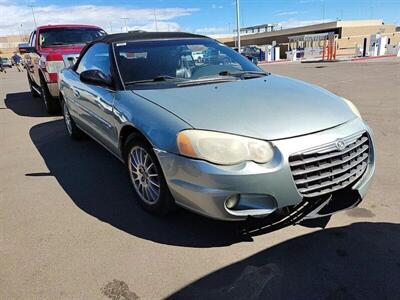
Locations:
(96, 77)
(25, 48)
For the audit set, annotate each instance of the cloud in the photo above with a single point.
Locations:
(212, 30)
(215, 6)
(153, 26)
(287, 13)
(12, 16)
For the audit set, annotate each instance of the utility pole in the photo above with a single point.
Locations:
(33, 15)
(155, 19)
(126, 24)
(238, 24)
(110, 27)
(20, 32)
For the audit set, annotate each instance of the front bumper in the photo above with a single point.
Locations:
(204, 187)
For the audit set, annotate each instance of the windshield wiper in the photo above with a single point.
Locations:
(155, 79)
(245, 74)
(206, 80)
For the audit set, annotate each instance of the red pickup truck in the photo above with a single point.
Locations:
(50, 49)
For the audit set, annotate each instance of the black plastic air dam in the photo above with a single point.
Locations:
(341, 200)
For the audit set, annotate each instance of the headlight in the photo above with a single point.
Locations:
(353, 108)
(222, 148)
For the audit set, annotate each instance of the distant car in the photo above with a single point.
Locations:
(225, 140)
(197, 56)
(252, 53)
(214, 56)
(6, 62)
(50, 49)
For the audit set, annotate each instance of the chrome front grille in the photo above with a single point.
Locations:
(326, 169)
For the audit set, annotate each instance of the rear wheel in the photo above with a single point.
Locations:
(147, 177)
(51, 104)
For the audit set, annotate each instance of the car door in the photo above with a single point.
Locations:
(33, 59)
(94, 103)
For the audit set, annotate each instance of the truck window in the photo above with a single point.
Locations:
(68, 36)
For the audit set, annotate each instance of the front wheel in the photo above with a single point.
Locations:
(73, 131)
(147, 178)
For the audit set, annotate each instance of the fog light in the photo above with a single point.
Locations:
(232, 201)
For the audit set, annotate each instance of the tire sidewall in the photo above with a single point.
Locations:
(64, 111)
(76, 133)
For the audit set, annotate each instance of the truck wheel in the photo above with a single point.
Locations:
(73, 131)
(34, 93)
(51, 104)
(147, 177)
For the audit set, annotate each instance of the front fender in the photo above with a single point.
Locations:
(157, 124)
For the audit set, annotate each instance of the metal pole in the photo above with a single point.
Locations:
(155, 19)
(33, 15)
(126, 25)
(238, 24)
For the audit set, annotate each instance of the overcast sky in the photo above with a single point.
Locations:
(201, 16)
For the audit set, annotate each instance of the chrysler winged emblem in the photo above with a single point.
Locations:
(340, 145)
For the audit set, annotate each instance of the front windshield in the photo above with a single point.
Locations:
(180, 59)
(68, 36)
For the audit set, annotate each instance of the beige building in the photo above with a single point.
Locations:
(348, 34)
(9, 44)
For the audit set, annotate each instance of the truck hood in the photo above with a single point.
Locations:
(270, 108)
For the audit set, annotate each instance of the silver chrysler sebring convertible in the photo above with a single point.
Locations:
(217, 136)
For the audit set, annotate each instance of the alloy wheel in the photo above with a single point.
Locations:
(144, 175)
(67, 119)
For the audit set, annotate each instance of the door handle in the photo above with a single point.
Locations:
(77, 94)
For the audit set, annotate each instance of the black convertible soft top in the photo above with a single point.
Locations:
(143, 35)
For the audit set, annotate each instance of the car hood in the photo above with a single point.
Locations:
(270, 108)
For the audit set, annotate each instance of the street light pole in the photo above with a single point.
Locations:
(126, 24)
(33, 15)
(155, 19)
(238, 24)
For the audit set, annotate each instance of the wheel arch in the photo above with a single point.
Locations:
(126, 131)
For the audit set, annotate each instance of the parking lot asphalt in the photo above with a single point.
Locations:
(70, 227)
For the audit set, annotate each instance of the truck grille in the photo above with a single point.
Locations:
(326, 169)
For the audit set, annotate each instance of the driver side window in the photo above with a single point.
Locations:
(96, 58)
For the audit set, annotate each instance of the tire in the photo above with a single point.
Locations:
(51, 104)
(73, 131)
(147, 177)
(34, 93)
